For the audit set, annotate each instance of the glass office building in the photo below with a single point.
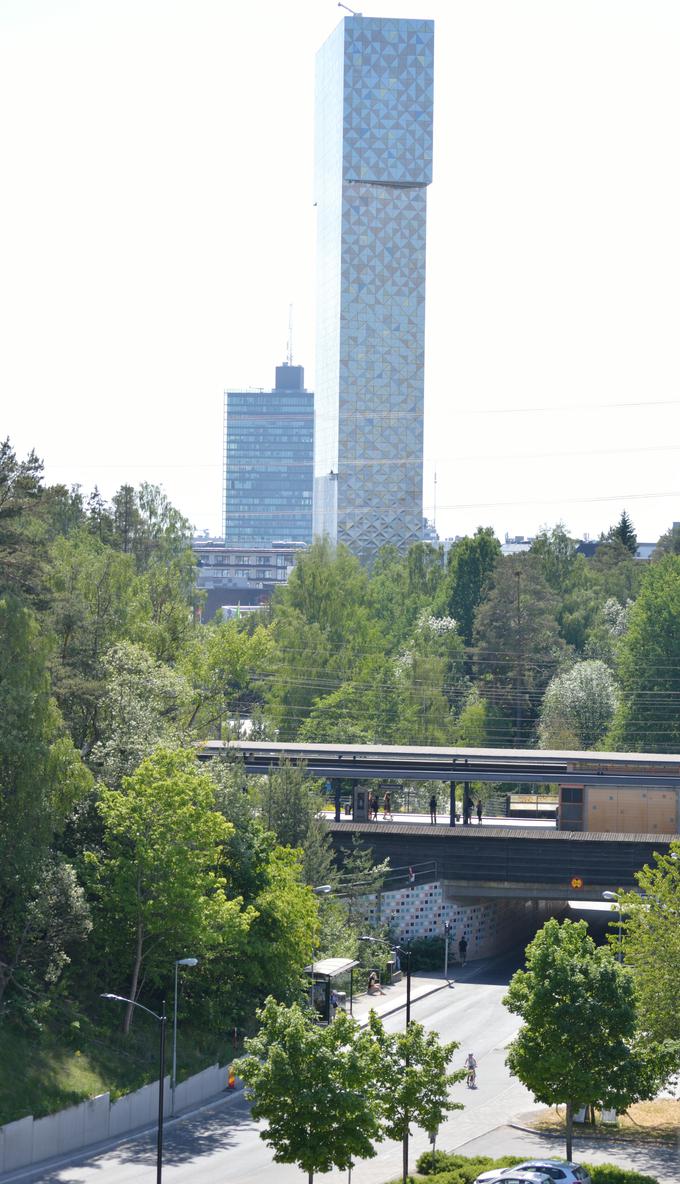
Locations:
(269, 462)
(373, 164)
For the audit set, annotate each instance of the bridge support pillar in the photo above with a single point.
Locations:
(452, 803)
(336, 797)
(467, 803)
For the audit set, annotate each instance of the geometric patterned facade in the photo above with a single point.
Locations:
(373, 165)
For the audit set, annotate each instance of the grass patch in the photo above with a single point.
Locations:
(658, 1120)
(51, 1066)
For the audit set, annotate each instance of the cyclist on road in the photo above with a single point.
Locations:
(470, 1064)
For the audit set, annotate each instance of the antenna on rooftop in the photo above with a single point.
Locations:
(290, 335)
(350, 10)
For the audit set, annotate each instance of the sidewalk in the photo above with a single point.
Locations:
(393, 1000)
(394, 997)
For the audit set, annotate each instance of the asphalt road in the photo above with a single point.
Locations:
(222, 1145)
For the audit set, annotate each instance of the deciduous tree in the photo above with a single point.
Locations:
(651, 943)
(649, 665)
(517, 643)
(315, 1087)
(578, 1043)
(470, 572)
(156, 877)
(413, 1080)
(41, 778)
(578, 707)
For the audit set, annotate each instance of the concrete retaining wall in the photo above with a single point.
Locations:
(31, 1140)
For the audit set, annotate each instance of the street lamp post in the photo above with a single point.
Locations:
(407, 955)
(320, 890)
(173, 1080)
(162, 1020)
(614, 898)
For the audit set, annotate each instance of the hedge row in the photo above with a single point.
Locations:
(447, 1168)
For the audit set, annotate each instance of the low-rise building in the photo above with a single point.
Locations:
(241, 578)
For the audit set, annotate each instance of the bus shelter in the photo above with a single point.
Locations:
(322, 975)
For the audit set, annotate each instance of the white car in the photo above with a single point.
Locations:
(556, 1171)
(559, 1170)
(512, 1176)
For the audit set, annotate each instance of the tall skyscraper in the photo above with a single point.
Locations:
(269, 462)
(374, 88)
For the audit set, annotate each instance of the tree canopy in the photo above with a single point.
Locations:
(315, 1087)
(651, 943)
(579, 1041)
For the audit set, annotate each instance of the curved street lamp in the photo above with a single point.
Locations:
(162, 1020)
(173, 1080)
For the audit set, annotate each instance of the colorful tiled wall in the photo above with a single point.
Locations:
(490, 926)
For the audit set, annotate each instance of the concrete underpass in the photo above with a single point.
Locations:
(495, 885)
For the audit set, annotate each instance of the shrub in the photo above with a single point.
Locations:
(609, 1173)
(462, 1169)
(427, 953)
(467, 1166)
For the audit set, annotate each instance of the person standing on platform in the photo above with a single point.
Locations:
(387, 807)
(479, 811)
(433, 808)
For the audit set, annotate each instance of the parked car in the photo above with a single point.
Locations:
(559, 1170)
(556, 1171)
(512, 1176)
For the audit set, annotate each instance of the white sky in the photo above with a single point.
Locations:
(156, 222)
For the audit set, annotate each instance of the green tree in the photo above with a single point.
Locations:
(289, 800)
(555, 553)
(651, 943)
(140, 710)
(669, 542)
(361, 876)
(364, 710)
(155, 877)
(281, 937)
(323, 632)
(221, 662)
(470, 571)
(649, 665)
(413, 1081)
(91, 588)
(401, 587)
(482, 725)
(578, 1043)
(618, 571)
(625, 533)
(126, 518)
(21, 539)
(41, 779)
(164, 613)
(99, 517)
(315, 1088)
(517, 643)
(578, 707)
